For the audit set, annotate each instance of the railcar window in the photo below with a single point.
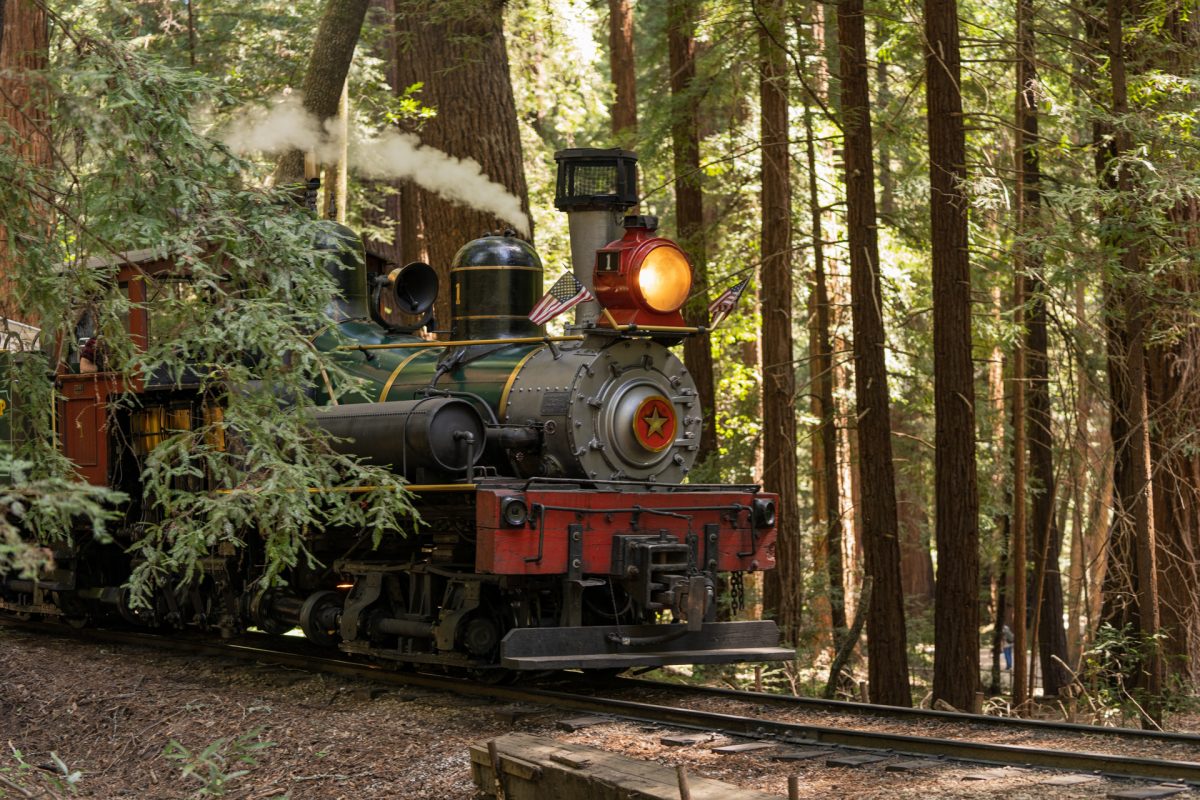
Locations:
(170, 303)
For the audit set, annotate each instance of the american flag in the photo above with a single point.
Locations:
(566, 293)
(720, 308)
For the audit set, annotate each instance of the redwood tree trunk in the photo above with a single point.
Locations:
(1047, 541)
(337, 36)
(956, 611)
(888, 664)
(825, 449)
(1141, 504)
(1022, 681)
(1174, 388)
(689, 206)
(24, 46)
(783, 586)
(624, 76)
(462, 60)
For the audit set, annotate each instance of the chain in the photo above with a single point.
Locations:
(737, 592)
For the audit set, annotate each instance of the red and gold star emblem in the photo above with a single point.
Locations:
(654, 423)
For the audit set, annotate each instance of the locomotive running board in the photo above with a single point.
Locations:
(593, 646)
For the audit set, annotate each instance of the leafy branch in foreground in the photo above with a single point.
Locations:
(133, 171)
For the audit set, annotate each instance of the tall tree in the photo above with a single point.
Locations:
(24, 45)
(829, 606)
(888, 665)
(1046, 538)
(384, 206)
(1136, 502)
(689, 204)
(783, 585)
(457, 50)
(1174, 395)
(333, 50)
(956, 601)
(624, 75)
(1021, 684)
(828, 547)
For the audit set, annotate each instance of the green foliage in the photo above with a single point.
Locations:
(140, 174)
(27, 780)
(1111, 671)
(50, 504)
(221, 764)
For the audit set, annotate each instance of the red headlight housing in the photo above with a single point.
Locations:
(643, 279)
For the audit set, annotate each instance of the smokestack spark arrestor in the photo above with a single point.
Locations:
(595, 188)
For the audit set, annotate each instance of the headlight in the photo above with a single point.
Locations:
(664, 279)
(642, 279)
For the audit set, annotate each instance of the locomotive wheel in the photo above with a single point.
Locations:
(75, 613)
(319, 616)
(141, 617)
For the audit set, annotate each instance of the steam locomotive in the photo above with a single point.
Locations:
(557, 531)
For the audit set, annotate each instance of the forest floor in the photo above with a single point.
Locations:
(137, 723)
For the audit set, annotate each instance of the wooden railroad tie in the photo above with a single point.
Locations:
(536, 768)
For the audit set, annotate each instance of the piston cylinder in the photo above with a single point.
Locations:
(426, 439)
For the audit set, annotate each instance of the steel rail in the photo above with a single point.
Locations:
(902, 713)
(751, 727)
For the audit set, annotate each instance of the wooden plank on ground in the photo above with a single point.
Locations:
(744, 747)
(537, 768)
(579, 723)
(854, 761)
(1069, 780)
(1149, 792)
(992, 774)
(802, 754)
(686, 739)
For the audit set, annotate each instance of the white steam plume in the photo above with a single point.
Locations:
(376, 154)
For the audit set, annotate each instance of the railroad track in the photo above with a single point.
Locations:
(794, 702)
(749, 726)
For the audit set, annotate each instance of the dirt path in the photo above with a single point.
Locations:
(112, 713)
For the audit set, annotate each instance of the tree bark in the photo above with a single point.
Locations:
(783, 586)
(1077, 578)
(886, 635)
(621, 64)
(24, 50)
(956, 611)
(689, 205)
(1022, 681)
(1046, 537)
(385, 195)
(1002, 519)
(1118, 601)
(1141, 504)
(1174, 405)
(457, 50)
(337, 36)
(827, 544)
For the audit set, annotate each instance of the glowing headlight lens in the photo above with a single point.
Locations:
(665, 279)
